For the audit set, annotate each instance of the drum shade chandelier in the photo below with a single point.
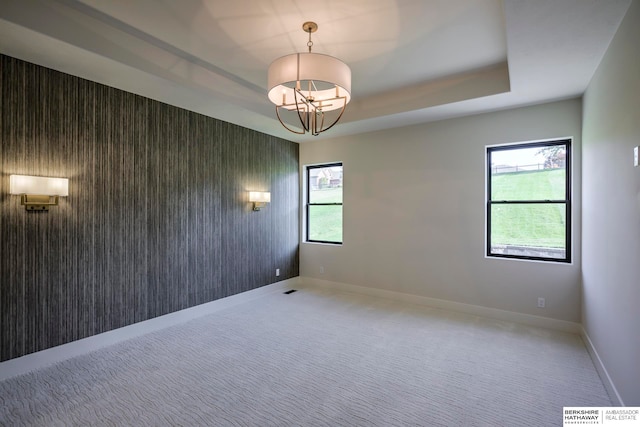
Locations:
(310, 85)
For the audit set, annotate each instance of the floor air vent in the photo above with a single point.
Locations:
(290, 291)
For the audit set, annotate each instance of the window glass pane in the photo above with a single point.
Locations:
(325, 185)
(537, 173)
(536, 230)
(325, 223)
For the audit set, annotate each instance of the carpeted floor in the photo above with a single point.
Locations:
(317, 358)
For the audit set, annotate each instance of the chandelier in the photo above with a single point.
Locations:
(315, 87)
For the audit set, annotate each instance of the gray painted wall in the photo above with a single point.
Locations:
(414, 213)
(157, 218)
(611, 206)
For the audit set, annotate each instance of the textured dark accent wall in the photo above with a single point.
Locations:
(157, 218)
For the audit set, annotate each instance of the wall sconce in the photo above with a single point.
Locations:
(37, 193)
(259, 199)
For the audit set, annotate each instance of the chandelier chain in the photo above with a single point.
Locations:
(310, 27)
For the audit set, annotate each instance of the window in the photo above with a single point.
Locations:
(324, 203)
(529, 201)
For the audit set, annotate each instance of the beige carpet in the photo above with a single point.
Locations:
(317, 358)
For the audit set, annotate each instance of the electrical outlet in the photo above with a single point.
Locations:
(277, 271)
(541, 302)
(321, 270)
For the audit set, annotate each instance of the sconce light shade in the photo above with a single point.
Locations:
(38, 192)
(38, 185)
(259, 199)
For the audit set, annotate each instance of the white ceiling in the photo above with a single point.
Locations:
(412, 61)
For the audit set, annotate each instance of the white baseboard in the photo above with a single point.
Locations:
(40, 359)
(602, 371)
(494, 313)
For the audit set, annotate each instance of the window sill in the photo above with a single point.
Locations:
(322, 243)
(539, 261)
